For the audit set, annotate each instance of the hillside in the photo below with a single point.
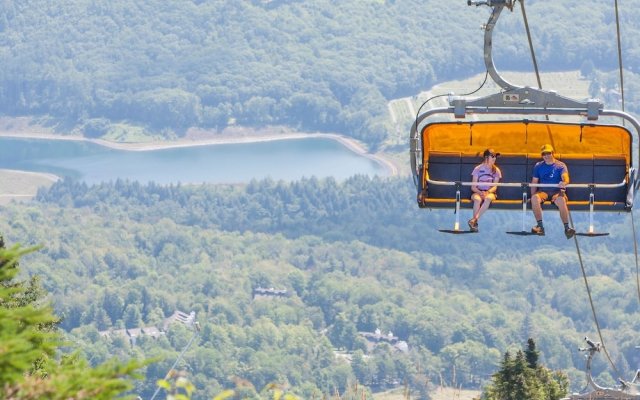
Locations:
(155, 69)
(315, 285)
(353, 257)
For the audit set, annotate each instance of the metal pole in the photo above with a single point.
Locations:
(524, 206)
(591, 211)
(456, 226)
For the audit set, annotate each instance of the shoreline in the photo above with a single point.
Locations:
(17, 185)
(18, 172)
(350, 143)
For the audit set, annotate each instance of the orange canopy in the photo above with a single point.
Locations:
(526, 137)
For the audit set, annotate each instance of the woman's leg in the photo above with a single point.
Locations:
(485, 205)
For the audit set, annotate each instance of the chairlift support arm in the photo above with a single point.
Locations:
(498, 6)
(514, 100)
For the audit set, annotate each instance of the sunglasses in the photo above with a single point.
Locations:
(546, 153)
(492, 155)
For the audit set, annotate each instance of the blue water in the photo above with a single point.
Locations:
(229, 163)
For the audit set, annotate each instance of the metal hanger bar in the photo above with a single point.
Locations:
(542, 185)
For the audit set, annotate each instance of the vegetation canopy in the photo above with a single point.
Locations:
(97, 69)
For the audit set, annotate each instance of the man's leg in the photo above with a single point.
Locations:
(561, 202)
(536, 206)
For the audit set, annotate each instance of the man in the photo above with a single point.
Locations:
(550, 171)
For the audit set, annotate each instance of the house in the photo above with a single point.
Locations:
(374, 338)
(180, 317)
(132, 334)
(269, 292)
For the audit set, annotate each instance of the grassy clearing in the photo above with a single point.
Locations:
(568, 84)
(129, 134)
(21, 185)
(438, 394)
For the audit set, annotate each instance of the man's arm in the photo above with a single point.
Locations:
(565, 179)
(533, 188)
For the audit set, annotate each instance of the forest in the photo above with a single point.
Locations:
(93, 68)
(352, 257)
(315, 285)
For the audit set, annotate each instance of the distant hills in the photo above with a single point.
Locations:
(353, 257)
(327, 66)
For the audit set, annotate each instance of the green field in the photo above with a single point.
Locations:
(441, 393)
(18, 185)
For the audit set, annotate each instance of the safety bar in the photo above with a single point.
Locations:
(547, 185)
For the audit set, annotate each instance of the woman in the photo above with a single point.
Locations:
(483, 195)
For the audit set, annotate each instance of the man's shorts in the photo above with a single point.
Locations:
(552, 195)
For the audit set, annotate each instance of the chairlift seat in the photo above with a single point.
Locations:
(591, 160)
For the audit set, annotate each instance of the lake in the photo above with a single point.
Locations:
(221, 163)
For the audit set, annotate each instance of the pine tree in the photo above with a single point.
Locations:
(532, 354)
(29, 341)
(522, 378)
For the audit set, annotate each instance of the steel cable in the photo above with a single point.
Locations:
(593, 309)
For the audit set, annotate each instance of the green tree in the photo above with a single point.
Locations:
(521, 377)
(132, 317)
(343, 332)
(532, 354)
(29, 344)
(113, 304)
(587, 69)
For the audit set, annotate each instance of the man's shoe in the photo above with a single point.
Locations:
(473, 225)
(538, 230)
(569, 232)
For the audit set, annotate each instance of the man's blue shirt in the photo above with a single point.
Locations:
(549, 173)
